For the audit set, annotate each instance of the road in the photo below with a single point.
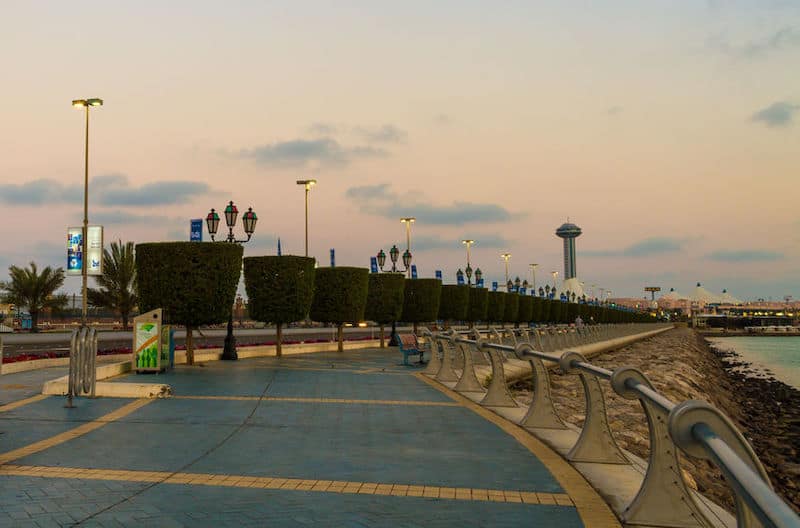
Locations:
(58, 342)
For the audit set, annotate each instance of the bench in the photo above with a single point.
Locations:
(409, 347)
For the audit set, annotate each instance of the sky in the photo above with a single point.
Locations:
(667, 130)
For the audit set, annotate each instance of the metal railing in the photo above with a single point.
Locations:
(82, 364)
(695, 427)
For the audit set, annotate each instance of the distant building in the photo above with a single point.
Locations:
(569, 232)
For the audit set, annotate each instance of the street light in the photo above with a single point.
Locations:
(308, 185)
(555, 276)
(478, 276)
(408, 220)
(394, 253)
(85, 103)
(249, 220)
(468, 242)
(533, 272)
(506, 256)
(517, 284)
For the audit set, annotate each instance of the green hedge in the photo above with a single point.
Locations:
(194, 283)
(280, 290)
(421, 300)
(497, 304)
(384, 299)
(478, 304)
(454, 302)
(340, 295)
(512, 308)
(525, 313)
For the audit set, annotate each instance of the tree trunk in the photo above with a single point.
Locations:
(340, 336)
(125, 322)
(471, 325)
(280, 339)
(34, 321)
(189, 346)
(415, 328)
(383, 342)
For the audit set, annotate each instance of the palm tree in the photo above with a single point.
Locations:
(34, 290)
(118, 282)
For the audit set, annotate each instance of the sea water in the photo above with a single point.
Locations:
(779, 355)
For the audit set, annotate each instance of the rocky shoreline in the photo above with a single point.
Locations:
(682, 366)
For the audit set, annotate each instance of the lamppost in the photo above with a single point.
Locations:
(468, 243)
(212, 221)
(85, 103)
(308, 185)
(555, 276)
(533, 272)
(505, 257)
(393, 255)
(517, 284)
(408, 220)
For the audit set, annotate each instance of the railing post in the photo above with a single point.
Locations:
(690, 413)
(446, 372)
(664, 498)
(498, 394)
(595, 443)
(469, 381)
(432, 342)
(481, 358)
(541, 412)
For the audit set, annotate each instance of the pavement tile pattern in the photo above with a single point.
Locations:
(330, 439)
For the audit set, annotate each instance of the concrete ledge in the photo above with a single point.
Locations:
(244, 352)
(59, 386)
(34, 364)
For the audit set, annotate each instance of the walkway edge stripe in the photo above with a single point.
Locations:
(421, 403)
(19, 403)
(81, 430)
(593, 510)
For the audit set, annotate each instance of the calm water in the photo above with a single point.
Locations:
(781, 355)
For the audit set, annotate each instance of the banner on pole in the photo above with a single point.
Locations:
(196, 230)
(333, 258)
(413, 271)
(439, 274)
(373, 264)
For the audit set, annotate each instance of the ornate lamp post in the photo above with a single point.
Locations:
(249, 220)
(517, 284)
(468, 243)
(505, 257)
(308, 185)
(394, 253)
(85, 103)
(478, 276)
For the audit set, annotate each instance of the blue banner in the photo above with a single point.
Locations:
(522, 291)
(373, 264)
(439, 274)
(460, 279)
(494, 286)
(333, 258)
(413, 271)
(196, 230)
(479, 284)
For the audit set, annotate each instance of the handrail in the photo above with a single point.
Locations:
(697, 428)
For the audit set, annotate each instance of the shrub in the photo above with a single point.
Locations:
(384, 298)
(478, 305)
(512, 308)
(194, 283)
(454, 302)
(421, 301)
(525, 312)
(340, 296)
(496, 306)
(279, 289)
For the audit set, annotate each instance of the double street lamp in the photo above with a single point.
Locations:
(533, 272)
(468, 242)
(249, 220)
(505, 257)
(308, 184)
(393, 255)
(85, 103)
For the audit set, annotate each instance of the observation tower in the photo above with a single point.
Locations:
(569, 232)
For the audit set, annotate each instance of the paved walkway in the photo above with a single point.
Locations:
(351, 439)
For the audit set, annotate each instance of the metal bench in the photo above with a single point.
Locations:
(409, 347)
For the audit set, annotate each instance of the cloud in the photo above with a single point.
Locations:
(105, 190)
(778, 114)
(323, 129)
(442, 119)
(644, 248)
(381, 200)
(482, 240)
(324, 152)
(123, 217)
(745, 255)
(384, 134)
(785, 38)
(614, 110)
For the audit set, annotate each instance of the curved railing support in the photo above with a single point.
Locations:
(432, 342)
(595, 443)
(446, 372)
(541, 413)
(664, 498)
(469, 381)
(498, 394)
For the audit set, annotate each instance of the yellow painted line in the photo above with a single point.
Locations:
(19, 403)
(592, 509)
(73, 433)
(323, 400)
(342, 368)
(326, 486)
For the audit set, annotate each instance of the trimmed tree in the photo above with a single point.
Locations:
(384, 299)
(525, 313)
(454, 302)
(478, 305)
(512, 308)
(421, 301)
(496, 307)
(340, 296)
(279, 289)
(195, 284)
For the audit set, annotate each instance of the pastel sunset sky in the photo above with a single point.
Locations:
(667, 130)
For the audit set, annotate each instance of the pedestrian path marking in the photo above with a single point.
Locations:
(344, 368)
(592, 509)
(19, 403)
(322, 400)
(81, 430)
(326, 486)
